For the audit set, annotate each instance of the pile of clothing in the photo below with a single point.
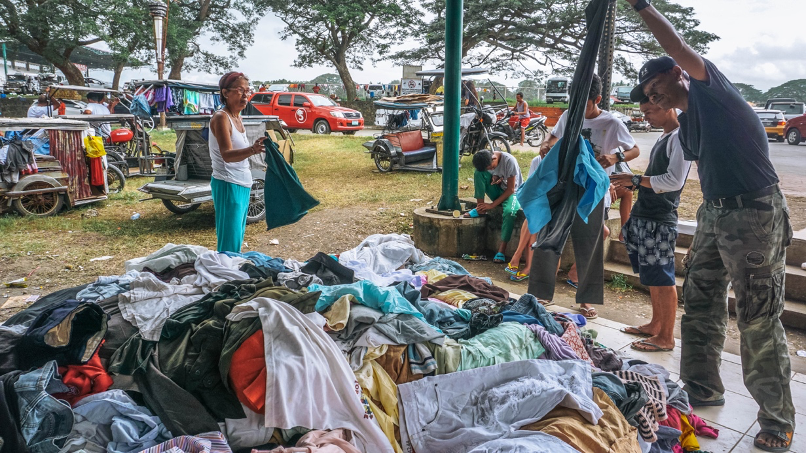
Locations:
(377, 349)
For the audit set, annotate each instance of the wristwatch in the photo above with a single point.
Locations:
(636, 181)
(641, 4)
(620, 156)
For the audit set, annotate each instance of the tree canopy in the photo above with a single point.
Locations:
(53, 31)
(229, 25)
(793, 89)
(343, 33)
(518, 36)
(751, 93)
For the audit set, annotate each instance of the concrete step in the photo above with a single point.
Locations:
(795, 276)
(794, 315)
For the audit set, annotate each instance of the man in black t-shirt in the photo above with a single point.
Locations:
(742, 233)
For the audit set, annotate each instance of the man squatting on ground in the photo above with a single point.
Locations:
(651, 232)
(742, 233)
(606, 134)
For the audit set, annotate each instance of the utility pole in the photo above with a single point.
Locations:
(606, 50)
(5, 62)
(453, 82)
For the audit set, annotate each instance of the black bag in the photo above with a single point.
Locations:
(564, 197)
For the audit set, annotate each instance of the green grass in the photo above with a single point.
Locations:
(619, 283)
(166, 139)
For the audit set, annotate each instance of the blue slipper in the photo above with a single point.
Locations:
(572, 283)
(499, 258)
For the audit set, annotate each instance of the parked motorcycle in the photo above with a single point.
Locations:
(510, 124)
(479, 134)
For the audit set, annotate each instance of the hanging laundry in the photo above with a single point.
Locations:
(191, 102)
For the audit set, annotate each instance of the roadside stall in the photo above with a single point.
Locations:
(186, 185)
(129, 145)
(40, 185)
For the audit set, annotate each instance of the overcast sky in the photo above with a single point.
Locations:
(762, 43)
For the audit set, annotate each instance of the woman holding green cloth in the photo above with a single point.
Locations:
(229, 150)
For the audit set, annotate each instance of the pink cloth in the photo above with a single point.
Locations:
(571, 337)
(701, 428)
(321, 441)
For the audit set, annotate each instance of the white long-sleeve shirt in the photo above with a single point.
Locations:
(674, 179)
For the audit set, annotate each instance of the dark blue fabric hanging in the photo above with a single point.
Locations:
(285, 198)
(564, 197)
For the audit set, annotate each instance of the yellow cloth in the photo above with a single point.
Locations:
(379, 387)
(454, 297)
(433, 275)
(94, 146)
(448, 355)
(687, 439)
(612, 434)
(338, 314)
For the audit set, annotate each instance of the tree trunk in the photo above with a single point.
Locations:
(73, 74)
(346, 79)
(116, 78)
(176, 68)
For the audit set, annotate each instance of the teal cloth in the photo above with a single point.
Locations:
(231, 203)
(286, 200)
(505, 343)
(385, 299)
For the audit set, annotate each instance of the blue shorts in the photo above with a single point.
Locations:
(650, 246)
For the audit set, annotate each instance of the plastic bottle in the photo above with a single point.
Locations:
(135, 216)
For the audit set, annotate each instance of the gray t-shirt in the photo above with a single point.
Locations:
(508, 167)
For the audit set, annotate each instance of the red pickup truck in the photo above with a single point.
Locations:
(317, 113)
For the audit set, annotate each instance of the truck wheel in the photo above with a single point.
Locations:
(793, 137)
(41, 205)
(321, 127)
(179, 208)
(115, 180)
(256, 211)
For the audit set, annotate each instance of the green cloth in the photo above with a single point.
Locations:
(482, 182)
(286, 200)
(231, 203)
(505, 343)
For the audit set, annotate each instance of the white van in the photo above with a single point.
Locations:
(558, 89)
(278, 87)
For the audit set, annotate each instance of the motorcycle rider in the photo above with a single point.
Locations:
(522, 110)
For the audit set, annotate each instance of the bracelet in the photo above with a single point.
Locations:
(641, 4)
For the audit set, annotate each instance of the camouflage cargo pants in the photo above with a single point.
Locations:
(746, 246)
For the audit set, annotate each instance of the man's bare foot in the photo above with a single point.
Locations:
(770, 442)
(653, 344)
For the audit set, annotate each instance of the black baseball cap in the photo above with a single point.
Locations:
(647, 72)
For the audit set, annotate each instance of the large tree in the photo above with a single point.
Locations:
(54, 30)
(128, 37)
(230, 24)
(344, 33)
(793, 89)
(750, 93)
(522, 35)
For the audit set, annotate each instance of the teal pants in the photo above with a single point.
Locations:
(483, 186)
(231, 204)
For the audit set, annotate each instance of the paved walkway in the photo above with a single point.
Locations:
(736, 421)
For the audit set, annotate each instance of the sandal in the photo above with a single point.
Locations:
(694, 402)
(499, 258)
(648, 347)
(519, 277)
(588, 313)
(572, 283)
(786, 437)
(511, 269)
(635, 331)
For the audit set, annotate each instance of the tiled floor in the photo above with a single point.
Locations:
(736, 420)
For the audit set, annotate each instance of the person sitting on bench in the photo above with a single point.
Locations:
(497, 176)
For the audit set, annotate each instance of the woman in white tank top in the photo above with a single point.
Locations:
(229, 151)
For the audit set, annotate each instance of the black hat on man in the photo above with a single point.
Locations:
(650, 69)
